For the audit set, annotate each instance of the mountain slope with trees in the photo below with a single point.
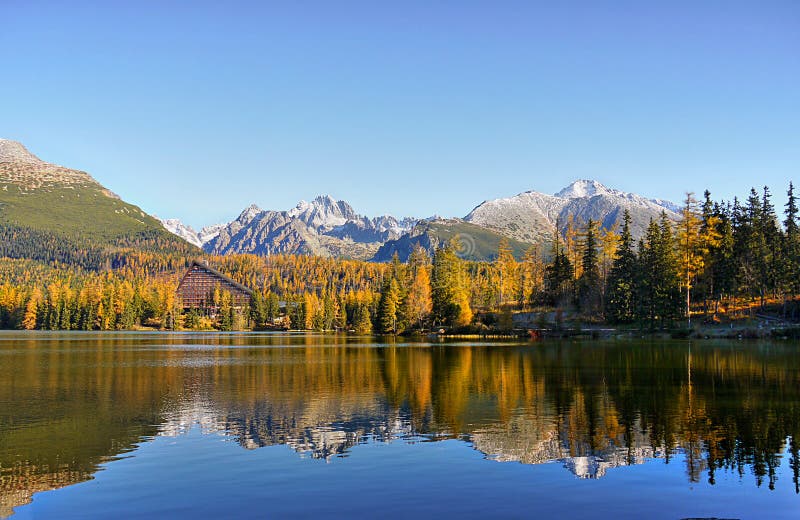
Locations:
(56, 214)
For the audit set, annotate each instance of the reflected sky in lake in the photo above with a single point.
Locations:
(199, 425)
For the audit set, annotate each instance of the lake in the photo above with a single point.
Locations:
(143, 425)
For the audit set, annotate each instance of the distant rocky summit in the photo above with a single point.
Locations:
(324, 227)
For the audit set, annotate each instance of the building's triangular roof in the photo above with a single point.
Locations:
(203, 265)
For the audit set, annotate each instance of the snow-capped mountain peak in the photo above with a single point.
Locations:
(324, 212)
(583, 188)
(198, 238)
(530, 216)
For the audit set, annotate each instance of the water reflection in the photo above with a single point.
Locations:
(69, 402)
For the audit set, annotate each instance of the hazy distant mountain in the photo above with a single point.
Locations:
(324, 226)
(55, 211)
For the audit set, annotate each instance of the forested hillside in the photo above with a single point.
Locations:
(55, 214)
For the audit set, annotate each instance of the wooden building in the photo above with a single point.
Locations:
(196, 289)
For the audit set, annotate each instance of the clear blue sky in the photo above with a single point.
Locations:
(196, 109)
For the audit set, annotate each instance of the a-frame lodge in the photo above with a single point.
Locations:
(196, 288)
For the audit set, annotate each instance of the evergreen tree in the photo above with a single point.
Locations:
(658, 286)
(723, 259)
(772, 240)
(791, 254)
(258, 311)
(559, 274)
(589, 282)
(389, 306)
(621, 297)
(669, 301)
(361, 319)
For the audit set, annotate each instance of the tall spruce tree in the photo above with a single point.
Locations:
(772, 244)
(589, 282)
(669, 288)
(658, 285)
(389, 305)
(559, 274)
(791, 255)
(621, 297)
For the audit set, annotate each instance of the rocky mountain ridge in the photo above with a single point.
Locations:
(324, 226)
(24, 171)
(329, 227)
(51, 197)
(531, 216)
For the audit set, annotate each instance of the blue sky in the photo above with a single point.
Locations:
(197, 109)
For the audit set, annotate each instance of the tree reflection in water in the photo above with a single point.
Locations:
(71, 402)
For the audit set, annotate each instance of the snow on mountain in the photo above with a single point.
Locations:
(323, 212)
(208, 233)
(583, 188)
(176, 227)
(329, 227)
(532, 216)
(197, 238)
(324, 226)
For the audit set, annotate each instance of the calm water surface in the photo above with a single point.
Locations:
(279, 425)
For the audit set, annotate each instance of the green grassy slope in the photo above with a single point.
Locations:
(81, 210)
(52, 214)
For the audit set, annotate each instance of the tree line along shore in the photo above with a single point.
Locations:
(723, 266)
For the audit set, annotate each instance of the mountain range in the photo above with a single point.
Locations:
(329, 227)
(44, 196)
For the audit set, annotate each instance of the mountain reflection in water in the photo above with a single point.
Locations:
(70, 402)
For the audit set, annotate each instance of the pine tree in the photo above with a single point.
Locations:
(669, 301)
(258, 310)
(361, 319)
(389, 305)
(621, 297)
(559, 274)
(658, 283)
(589, 282)
(772, 241)
(792, 244)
